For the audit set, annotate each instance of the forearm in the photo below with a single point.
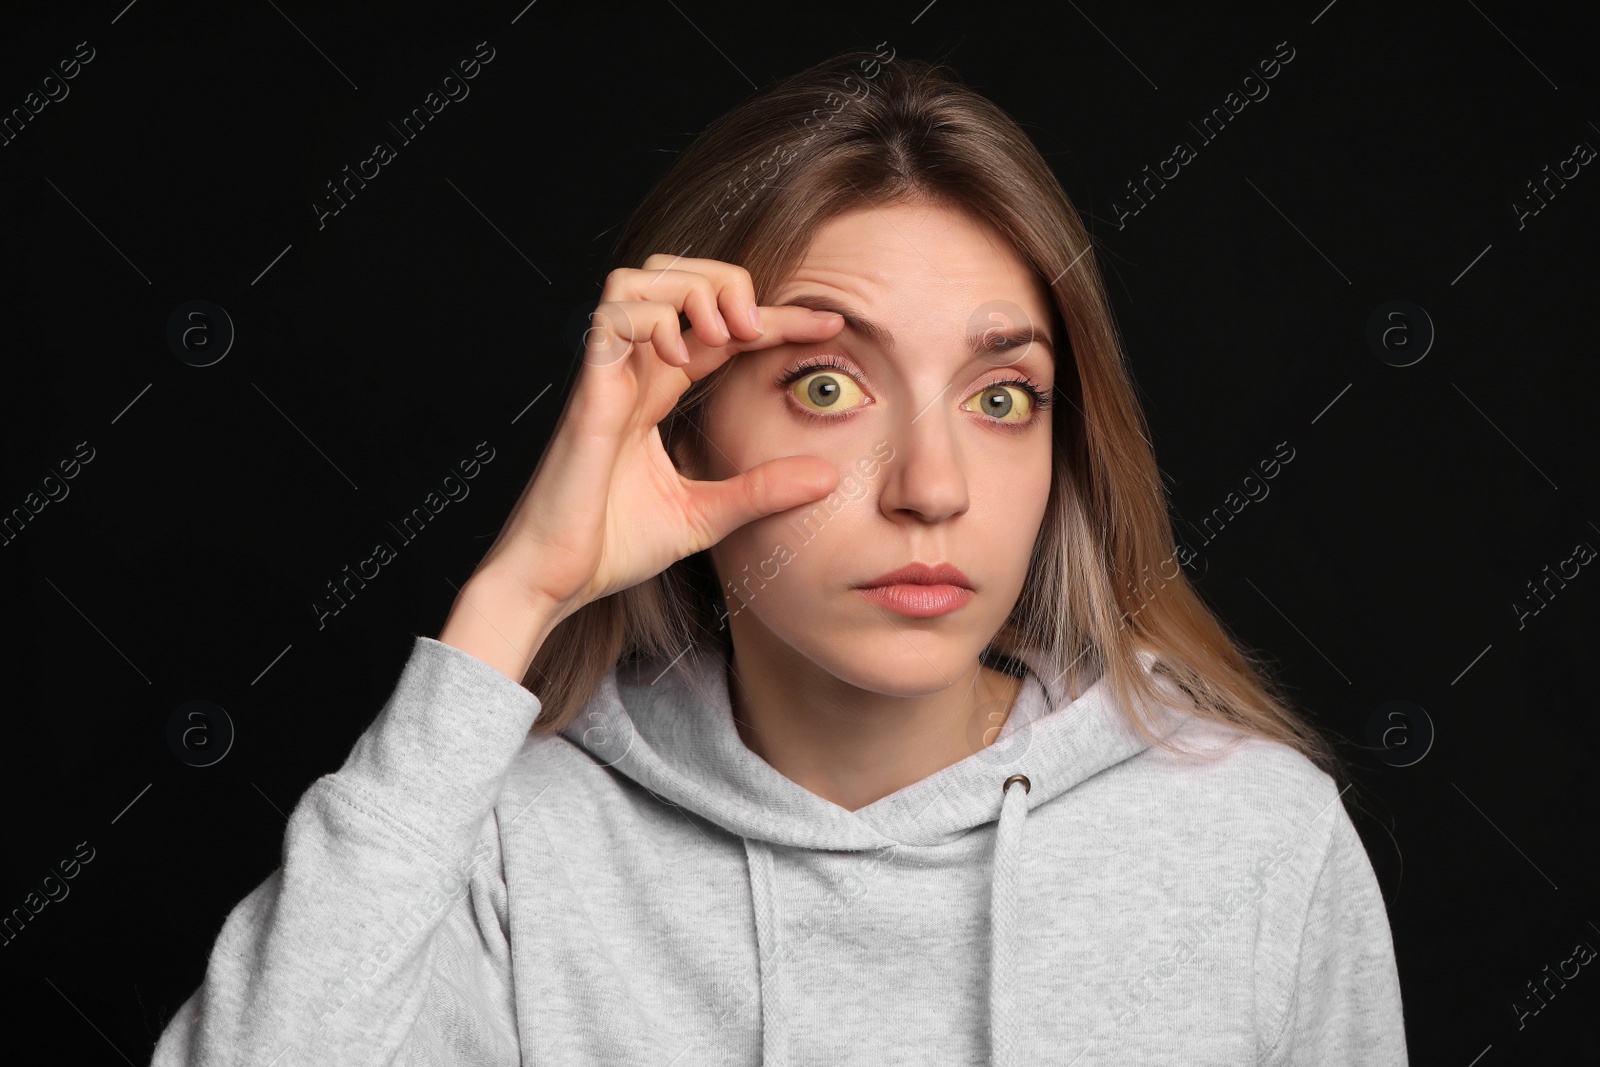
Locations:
(494, 622)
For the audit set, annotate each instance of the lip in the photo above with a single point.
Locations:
(920, 590)
(918, 600)
(922, 574)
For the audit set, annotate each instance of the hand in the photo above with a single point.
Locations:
(606, 508)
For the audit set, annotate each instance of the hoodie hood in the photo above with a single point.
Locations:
(671, 730)
(655, 726)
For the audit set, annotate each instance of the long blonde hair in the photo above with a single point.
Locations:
(1104, 580)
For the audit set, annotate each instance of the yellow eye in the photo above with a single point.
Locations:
(826, 391)
(1005, 403)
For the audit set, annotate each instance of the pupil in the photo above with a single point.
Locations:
(823, 390)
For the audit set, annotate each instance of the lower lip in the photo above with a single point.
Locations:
(918, 601)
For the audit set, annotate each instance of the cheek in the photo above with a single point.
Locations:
(1013, 507)
(749, 421)
(742, 553)
(745, 423)
(725, 438)
(785, 566)
(1036, 487)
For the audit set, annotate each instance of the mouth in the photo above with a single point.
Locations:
(920, 590)
(918, 600)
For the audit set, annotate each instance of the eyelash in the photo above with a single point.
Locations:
(1041, 400)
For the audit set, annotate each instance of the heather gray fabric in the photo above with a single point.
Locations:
(644, 890)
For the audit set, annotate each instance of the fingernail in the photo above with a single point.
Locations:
(755, 317)
(830, 315)
(724, 324)
(683, 350)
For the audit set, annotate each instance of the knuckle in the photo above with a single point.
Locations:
(658, 315)
(610, 321)
(615, 283)
(706, 288)
(742, 279)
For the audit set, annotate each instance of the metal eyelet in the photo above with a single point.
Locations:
(1027, 786)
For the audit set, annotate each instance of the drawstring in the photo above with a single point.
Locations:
(764, 898)
(1005, 896)
(1005, 899)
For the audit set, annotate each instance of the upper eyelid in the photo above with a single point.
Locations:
(821, 362)
(817, 364)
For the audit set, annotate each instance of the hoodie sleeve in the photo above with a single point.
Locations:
(382, 937)
(1343, 1004)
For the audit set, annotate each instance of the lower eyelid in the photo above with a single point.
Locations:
(817, 416)
(1017, 425)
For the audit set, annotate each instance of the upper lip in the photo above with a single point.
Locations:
(921, 574)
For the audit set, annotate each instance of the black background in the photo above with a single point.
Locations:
(374, 353)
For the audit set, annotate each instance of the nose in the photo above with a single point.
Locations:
(927, 479)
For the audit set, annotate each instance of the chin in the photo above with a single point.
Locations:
(903, 658)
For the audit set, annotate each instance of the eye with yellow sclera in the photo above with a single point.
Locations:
(1005, 402)
(830, 391)
(834, 389)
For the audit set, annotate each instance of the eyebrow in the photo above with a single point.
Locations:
(881, 336)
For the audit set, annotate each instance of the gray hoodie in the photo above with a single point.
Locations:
(644, 890)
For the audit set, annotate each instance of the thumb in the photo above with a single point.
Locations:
(766, 488)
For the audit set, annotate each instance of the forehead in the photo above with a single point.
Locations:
(918, 258)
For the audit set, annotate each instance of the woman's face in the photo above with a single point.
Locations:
(943, 456)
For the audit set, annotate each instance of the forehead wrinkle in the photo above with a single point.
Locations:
(883, 337)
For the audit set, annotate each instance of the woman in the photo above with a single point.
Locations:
(834, 692)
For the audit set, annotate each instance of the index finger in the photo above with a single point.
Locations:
(733, 291)
(780, 324)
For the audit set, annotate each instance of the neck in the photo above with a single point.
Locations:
(853, 746)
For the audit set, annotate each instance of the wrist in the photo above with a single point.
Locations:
(497, 622)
